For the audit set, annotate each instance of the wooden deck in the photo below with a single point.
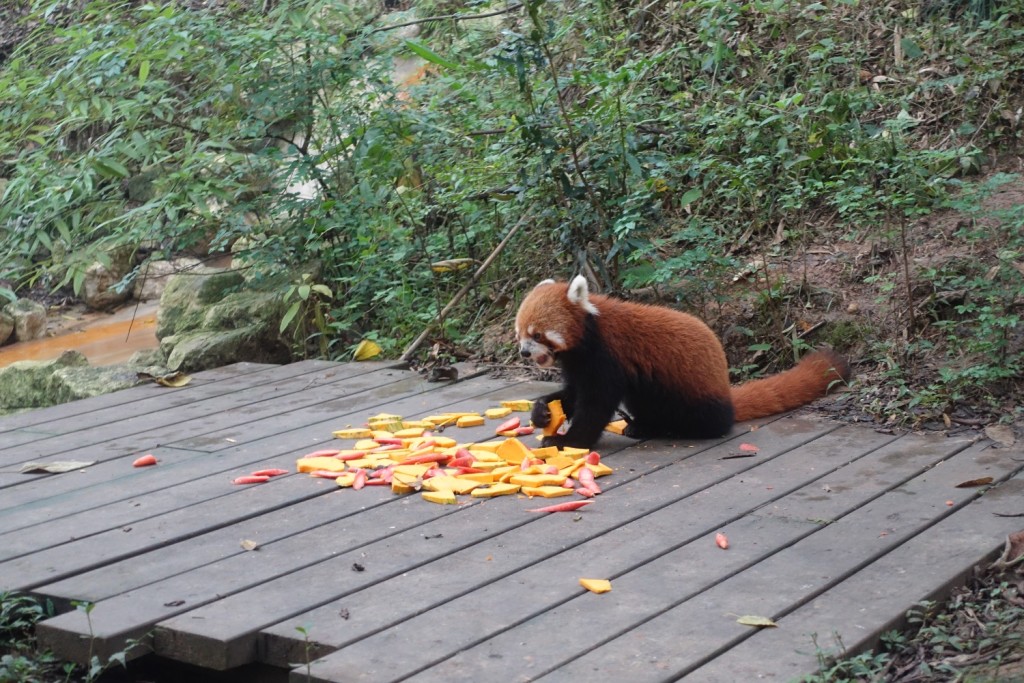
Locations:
(835, 531)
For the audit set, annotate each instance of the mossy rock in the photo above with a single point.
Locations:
(37, 384)
(202, 350)
(244, 309)
(182, 305)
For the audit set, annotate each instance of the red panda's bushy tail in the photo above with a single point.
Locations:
(810, 379)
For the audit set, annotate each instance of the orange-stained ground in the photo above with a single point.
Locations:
(105, 339)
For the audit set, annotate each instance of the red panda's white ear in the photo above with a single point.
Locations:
(579, 294)
(549, 281)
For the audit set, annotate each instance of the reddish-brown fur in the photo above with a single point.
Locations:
(666, 349)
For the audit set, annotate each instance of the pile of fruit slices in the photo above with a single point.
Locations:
(408, 456)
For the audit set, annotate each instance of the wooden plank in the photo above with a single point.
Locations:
(690, 631)
(117, 618)
(42, 418)
(704, 491)
(114, 457)
(143, 422)
(186, 523)
(647, 479)
(224, 635)
(131, 615)
(874, 600)
(66, 523)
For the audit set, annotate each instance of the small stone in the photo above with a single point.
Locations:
(29, 319)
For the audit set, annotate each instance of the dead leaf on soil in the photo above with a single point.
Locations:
(56, 466)
(752, 620)
(972, 483)
(1013, 552)
(366, 350)
(1001, 434)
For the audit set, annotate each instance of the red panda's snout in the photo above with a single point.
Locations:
(539, 353)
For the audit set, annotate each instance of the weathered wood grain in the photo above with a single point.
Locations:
(121, 617)
(147, 424)
(851, 616)
(688, 634)
(833, 529)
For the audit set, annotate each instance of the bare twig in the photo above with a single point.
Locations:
(465, 289)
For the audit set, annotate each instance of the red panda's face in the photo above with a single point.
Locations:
(550, 320)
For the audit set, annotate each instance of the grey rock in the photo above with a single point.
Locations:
(29, 319)
(6, 326)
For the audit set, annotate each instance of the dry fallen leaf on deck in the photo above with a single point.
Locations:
(971, 483)
(56, 466)
(366, 350)
(760, 622)
(173, 380)
(250, 545)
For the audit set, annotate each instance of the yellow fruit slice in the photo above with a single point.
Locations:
(495, 413)
(479, 477)
(442, 497)
(320, 463)
(409, 433)
(353, 433)
(557, 418)
(493, 490)
(538, 479)
(547, 491)
(519, 405)
(450, 483)
(596, 585)
(400, 487)
(617, 427)
(469, 421)
(513, 451)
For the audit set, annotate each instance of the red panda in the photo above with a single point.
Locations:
(666, 368)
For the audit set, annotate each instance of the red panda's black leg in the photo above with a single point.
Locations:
(592, 403)
(540, 416)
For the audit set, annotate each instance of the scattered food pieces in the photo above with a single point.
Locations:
(145, 461)
(596, 585)
(557, 418)
(616, 427)
(250, 479)
(721, 541)
(759, 622)
(563, 507)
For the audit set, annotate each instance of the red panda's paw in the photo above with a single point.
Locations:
(558, 440)
(540, 416)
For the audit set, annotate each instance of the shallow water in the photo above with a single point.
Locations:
(105, 339)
